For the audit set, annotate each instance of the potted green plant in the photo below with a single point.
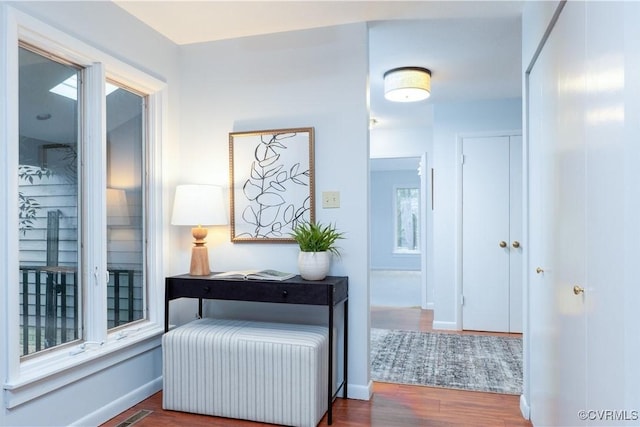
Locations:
(317, 243)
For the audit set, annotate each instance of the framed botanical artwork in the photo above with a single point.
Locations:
(271, 176)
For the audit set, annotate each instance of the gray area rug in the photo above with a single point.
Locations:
(468, 362)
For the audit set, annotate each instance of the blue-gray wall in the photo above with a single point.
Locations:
(383, 185)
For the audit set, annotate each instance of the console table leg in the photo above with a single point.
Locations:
(345, 347)
(330, 366)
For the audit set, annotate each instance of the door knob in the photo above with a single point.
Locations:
(515, 244)
(578, 290)
(502, 244)
(539, 270)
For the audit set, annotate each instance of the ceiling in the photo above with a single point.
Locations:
(186, 22)
(471, 47)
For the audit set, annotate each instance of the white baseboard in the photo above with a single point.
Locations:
(120, 405)
(360, 392)
(447, 326)
(524, 407)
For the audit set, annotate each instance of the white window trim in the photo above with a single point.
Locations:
(40, 375)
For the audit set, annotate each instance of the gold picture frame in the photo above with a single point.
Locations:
(271, 182)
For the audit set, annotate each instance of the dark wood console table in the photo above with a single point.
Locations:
(330, 292)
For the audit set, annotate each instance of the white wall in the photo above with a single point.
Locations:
(451, 120)
(314, 78)
(401, 142)
(107, 386)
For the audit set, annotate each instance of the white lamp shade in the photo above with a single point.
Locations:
(199, 205)
(117, 207)
(407, 84)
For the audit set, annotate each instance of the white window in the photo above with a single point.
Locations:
(51, 213)
(81, 167)
(407, 220)
(125, 194)
(51, 309)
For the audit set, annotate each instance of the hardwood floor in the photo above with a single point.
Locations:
(416, 319)
(406, 319)
(391, 405)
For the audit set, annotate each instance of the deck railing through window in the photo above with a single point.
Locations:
(123, 310)
(49, 305)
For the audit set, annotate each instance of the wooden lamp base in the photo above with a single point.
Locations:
(199, 253)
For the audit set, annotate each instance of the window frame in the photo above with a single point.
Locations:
(80, 254)
(126, 327)
(28, 379)
(395, 249)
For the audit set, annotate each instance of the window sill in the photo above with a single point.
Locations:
(403, 253)
(45, 374)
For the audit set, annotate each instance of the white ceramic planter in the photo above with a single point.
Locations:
(314, 265)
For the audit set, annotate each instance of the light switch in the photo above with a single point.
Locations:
(330, 199)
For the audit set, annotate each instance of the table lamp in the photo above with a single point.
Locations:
(199, 206)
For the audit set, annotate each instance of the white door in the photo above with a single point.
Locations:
(568, 233)
(542, 355)
(583, 152)
(487, 237)
(557, 202)
(611, 158)
(515, 234)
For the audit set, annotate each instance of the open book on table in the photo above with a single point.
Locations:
(255, 275)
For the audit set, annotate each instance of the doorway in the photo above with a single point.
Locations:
(400, 218)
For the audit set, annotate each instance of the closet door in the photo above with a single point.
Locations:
(584, 106)
(607, 114)
(491, 248)
(557, 206)
(543, 361)
(515, 234)
(570, 231)
(485, 231)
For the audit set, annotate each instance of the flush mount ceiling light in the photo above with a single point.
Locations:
(407, 84)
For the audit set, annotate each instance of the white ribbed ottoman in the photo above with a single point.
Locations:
(268, 372)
